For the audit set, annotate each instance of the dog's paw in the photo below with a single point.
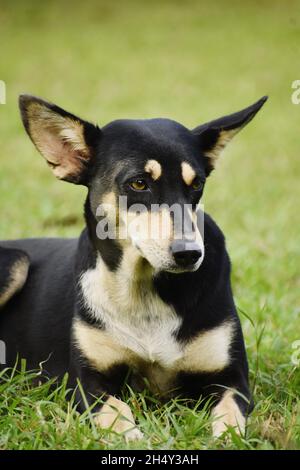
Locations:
(133, 435)
(117, 416)
(227, 414)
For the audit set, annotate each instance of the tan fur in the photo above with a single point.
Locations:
(109, 199)
(150, 225)
(188, 173)
(117, 416)
(59, 139)
(227, 413)
(100, 347)
(154, 168)
(18, 276)
(224, 138)
(149, 232)
(208, 351)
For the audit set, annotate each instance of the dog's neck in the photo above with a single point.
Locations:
(109, 249)
(127, 292)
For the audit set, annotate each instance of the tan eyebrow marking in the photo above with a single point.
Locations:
(154, 168)
(188, 173)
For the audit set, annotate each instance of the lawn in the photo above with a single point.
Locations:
(190, 61)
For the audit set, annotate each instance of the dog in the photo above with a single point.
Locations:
(130, 308)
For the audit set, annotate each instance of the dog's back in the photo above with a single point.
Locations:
(50, 276)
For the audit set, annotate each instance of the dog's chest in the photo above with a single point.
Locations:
(134, 317)
(139, 330)
(151, 339)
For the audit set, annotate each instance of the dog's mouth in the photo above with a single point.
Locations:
(168, 263)
(175, 269)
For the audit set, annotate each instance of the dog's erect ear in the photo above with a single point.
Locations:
(66, 141)
(214, 136)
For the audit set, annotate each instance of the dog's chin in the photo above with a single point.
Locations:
(179, 270)
(174, 269)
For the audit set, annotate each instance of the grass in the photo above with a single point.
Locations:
(191, 61)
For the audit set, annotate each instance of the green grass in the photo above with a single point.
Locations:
(191, 61)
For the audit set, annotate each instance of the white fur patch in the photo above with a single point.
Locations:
(132, 312)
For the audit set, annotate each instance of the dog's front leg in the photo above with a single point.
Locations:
(114, 414)
(227, 413)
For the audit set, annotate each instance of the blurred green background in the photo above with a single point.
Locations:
(190, 61)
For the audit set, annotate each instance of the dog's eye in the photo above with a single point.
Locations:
(139, 185)
(197, 184)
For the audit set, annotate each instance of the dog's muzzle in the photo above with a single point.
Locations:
(186, 253)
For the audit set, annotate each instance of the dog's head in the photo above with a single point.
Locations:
(145, 178)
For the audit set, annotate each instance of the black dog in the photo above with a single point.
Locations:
(119, 304)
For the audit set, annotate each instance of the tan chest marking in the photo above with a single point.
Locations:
(208, 352)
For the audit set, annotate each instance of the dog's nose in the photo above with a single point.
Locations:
(185, 253)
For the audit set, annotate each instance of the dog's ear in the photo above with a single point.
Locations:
(214, 136)
(66, 141)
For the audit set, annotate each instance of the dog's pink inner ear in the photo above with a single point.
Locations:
(60, 140)
(64, 156)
